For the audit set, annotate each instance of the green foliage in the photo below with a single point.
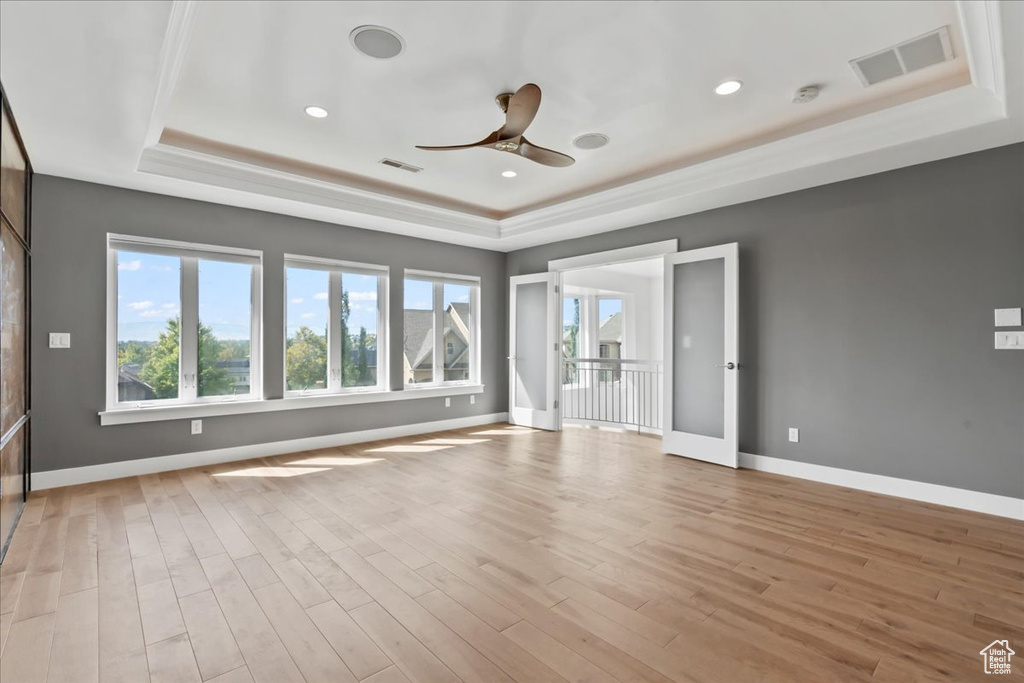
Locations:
(159, 361)
(161, 368)
(213, 380)
(133, 352)
(306, 360)
(362, 368)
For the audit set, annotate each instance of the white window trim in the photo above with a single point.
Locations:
(439, 280)
(190, 254)
(201, 410)
(335, 268)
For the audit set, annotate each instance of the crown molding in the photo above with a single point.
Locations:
(180, 27)
(984, 114)
(363, 208)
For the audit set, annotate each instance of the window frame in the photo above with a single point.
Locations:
(335, 268)
(439, 280)
(190, 254)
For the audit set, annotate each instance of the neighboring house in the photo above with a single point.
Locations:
(130, 387)
(609, 336)
(238, 372)
(418, 360)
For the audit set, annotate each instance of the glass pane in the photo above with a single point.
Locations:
(699, 339)
(12, 331)
(531, 347)
(225, 328)
(148, 322)
(418, 330)
(359, 319)
(13, 176)
(308, 315)
(12, 486)
(456, 334)
(571, 340)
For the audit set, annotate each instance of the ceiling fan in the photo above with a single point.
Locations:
(520, 108)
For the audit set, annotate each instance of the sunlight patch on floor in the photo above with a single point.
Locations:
(407, 448)
(272, 472)
(453, 442)
(335, 461)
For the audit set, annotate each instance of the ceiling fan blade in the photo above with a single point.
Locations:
(486, 142)
(542, 155)
(521, 109)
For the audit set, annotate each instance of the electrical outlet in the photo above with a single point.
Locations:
(472, 399)
(197, 426)
(448, 402)
(794, 435)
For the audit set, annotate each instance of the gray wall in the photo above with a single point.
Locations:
(70, 222)
(866, 318)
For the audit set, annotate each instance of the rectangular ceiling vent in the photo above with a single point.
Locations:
(398, 164)
(913, 55)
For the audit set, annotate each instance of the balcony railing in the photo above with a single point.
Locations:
(619, 391)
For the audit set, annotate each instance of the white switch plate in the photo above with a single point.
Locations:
(1008, 317)
(197, 426)
(794, 435)
(1013, 341)
(60, 340)
(472, 399)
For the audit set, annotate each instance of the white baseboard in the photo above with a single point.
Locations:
(166, 463)
(989, 503)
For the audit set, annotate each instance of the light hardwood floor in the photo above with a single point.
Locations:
(500, 554)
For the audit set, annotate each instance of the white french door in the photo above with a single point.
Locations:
(533, 351)
(701, 354)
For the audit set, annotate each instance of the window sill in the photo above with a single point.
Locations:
(199, 410)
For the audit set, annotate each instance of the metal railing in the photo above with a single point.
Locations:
(619, 391)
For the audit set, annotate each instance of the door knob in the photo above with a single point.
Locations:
(727, 366)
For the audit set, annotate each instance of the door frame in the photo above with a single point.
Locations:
(550, 417)
(725, 450)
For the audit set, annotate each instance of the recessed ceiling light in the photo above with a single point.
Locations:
(509, 174)
(728, 87)
(377, 42)
(316, 112)
(591, 141)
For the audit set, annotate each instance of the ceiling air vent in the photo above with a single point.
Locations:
(398, 164)
(923, 51)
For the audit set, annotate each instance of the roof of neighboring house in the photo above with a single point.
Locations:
(125, 376)
(420, 324)
(611, 329)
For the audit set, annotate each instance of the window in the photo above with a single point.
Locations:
(441, 329)
(572, 339)
(185, 323)
(335, 327)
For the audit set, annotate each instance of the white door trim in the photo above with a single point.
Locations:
(639, 252)
(722, 451)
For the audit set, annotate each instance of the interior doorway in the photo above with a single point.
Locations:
(644, 338)
(611, 344)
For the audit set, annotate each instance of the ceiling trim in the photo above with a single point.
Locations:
(918, 131)
(180, 27)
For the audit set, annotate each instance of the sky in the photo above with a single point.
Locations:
(149, 293)
(606, 308)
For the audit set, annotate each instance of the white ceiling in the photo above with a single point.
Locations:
(642, 73)
(205, 100)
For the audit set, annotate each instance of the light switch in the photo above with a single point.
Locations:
(60, 340)
(1010, 340)
(1008, 317)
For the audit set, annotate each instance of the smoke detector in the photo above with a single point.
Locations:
(806, 94)
(913, 55)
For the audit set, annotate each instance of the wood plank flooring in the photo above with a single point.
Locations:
(501, 554)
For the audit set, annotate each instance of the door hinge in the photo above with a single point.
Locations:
(556, 346)
(556, 404)
(556, 289)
